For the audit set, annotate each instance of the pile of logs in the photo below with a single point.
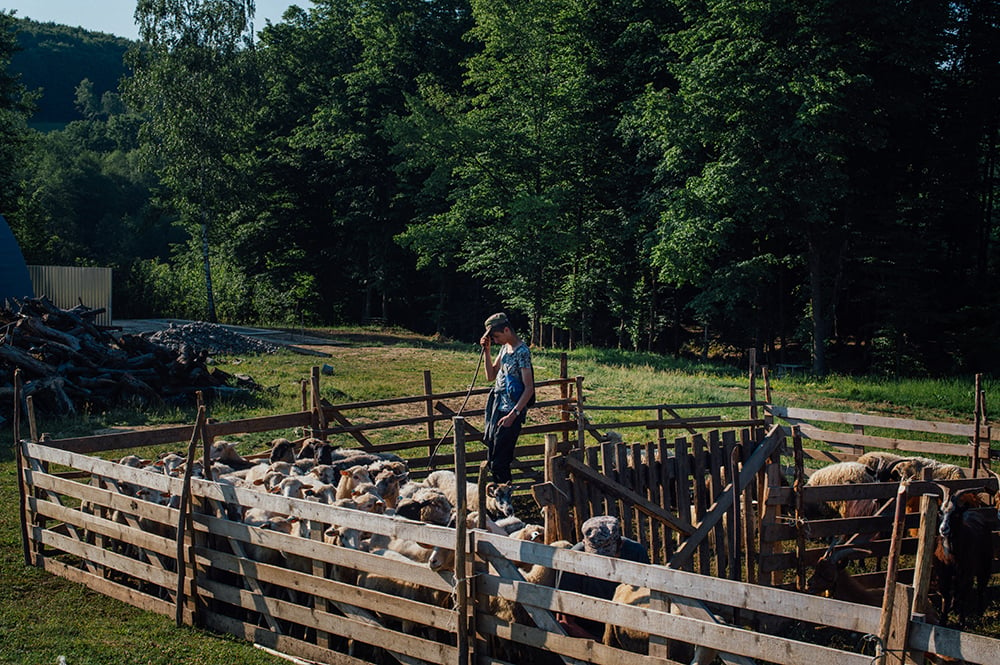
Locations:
(68, 364)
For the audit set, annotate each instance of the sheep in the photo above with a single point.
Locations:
(386, 483)
(402, 589)
(499, 500)
(367, 499)
(325, 474)
(426, 504)
(499, 497)
(446, 481)
(963, 554)
(876, 460)
(321, 493)
(913, 468)
(531, 532)
(842, 473)
(282, 450)
(351, 478)
(169, 464)
(398, 467)
(636, 641)
(225, 451)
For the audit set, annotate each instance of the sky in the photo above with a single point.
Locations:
(115, 16)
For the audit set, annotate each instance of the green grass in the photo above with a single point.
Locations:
(43, 616)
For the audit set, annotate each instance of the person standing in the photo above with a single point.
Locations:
(513, 389)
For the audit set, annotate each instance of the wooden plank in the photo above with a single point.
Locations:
(955, 644)
(667, 407)
(253, 633)
(436, 617)
(102, 498)
(731, 640)
(607, 485)
(699, 481)
(715, 471)
(258, 424)
(885, 422)
(413, 648)
(679, 583)
(123, 564)
(106, 442)
(594, 497)
(107, 587)
(908, 445)
(583, 650)
(899, 622)
(108, 528)
(311, 549)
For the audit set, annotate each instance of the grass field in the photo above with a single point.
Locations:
(42, 616)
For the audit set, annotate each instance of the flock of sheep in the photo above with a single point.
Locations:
(963, 552)
(354, 479)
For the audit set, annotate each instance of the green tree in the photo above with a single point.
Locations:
(15, 107)
(194, 82)
(768, 142)
(527, 155)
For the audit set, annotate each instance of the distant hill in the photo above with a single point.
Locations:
(57, 57)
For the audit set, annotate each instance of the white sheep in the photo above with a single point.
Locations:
(499, 496)
(351, 478)
(426, 504)
(637, 641)
(912, 468)
(842, 473)
(398, 588)
(876, 460)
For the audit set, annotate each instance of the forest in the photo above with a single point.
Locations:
(815, 180)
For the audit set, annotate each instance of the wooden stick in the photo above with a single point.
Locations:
(184, 517)
(19, 452)
(925, 550)
(800, 513)
(461, 569)
(888, 598)
(978, 420)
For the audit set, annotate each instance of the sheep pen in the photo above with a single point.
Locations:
(302, 582)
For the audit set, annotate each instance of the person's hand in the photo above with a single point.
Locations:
(508, 420)
(485, 341)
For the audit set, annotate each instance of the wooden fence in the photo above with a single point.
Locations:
(298, 594)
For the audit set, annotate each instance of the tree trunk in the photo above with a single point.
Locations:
(209, 291)
(820, 311)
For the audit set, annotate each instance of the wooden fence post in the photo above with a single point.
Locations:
(19, 455)
(753, 384)
(888, 622)
(580, 417)
(319, 418)
(429, 408)
(975, 434)
(800, 513)
(461, 564)
(184, 519)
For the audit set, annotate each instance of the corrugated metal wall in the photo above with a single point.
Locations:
(68, 286)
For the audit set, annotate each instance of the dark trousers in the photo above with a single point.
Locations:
(500, 442)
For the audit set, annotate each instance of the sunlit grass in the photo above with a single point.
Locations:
(42, 616)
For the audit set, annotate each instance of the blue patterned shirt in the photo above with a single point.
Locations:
(509, 386)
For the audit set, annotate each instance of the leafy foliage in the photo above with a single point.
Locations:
(815, 180)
